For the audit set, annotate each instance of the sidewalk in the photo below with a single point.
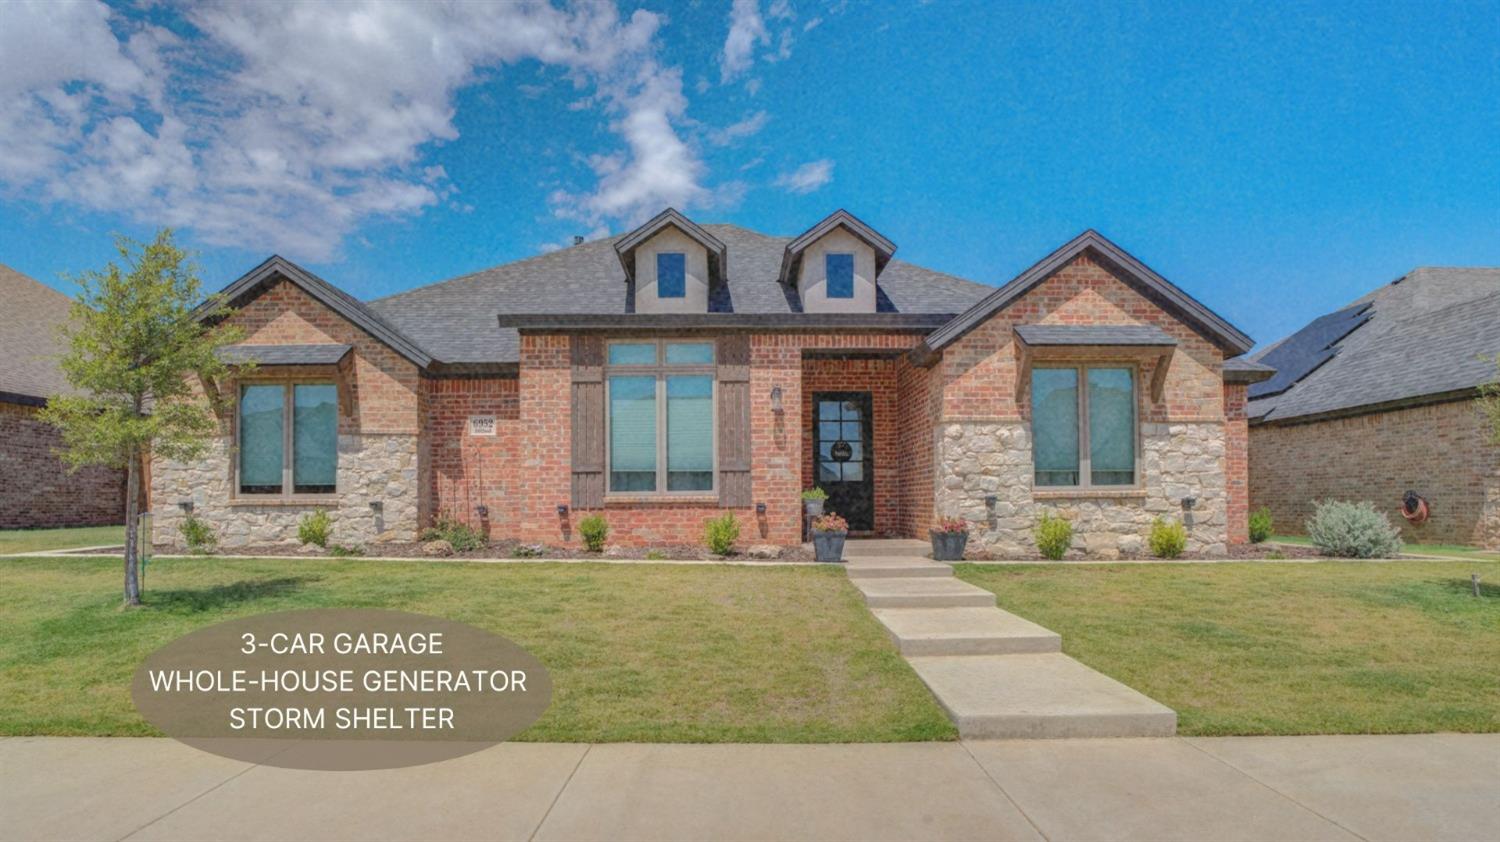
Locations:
(1432, 786)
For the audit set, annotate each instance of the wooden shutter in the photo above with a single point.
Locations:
(734, 422)
(588, 421)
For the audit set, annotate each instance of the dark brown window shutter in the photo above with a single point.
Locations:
(734, 422)
(588, 421)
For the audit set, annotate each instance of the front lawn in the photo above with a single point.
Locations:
(1321, 648)
(36, 540)
(636, 652)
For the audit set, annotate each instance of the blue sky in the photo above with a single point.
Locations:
(1276, 160)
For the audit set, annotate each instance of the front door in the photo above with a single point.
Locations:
(841, 454)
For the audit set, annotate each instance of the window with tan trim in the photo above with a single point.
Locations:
(287, 437)
(660, 418)
(1084, 437)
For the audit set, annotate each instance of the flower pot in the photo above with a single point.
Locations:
(814, 508)
(948, 546)
(829, 546)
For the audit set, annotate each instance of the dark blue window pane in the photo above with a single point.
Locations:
(840, 275)
(671, 274)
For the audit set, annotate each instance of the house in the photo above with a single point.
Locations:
(683, 370)
(36, 489)
(1377, 399)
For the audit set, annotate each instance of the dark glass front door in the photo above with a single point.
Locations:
(842, 458)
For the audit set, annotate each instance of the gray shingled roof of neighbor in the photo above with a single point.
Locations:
(29, 344)
(284, 354)
(1432, 334)
(456, 320)
(1148, 335)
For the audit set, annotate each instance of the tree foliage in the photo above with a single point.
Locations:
(1489, 404)
(137, 336)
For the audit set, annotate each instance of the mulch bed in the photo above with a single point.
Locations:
(1236, 552)
(508, 549)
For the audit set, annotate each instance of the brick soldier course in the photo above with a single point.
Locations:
(483, 398)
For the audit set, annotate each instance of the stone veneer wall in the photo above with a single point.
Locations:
(1439, 451)
(372, 468)
(982, 459)
(984, 435)
(36, 489)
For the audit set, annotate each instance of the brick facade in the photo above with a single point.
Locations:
(36, 490)
(1237, 463)
(1439, 451)
(878, 377)
(467, 471)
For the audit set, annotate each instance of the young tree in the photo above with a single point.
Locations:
(136, 335)
(1489, 404)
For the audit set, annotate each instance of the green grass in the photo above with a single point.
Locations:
(1459, 551)
(34, 540)
(1321, 648)
(636, 652)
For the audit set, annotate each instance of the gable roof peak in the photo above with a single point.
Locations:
(718, 253)
(791, 261)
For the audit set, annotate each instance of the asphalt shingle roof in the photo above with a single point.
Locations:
(29, 344)
(455, 320)
(1434, 331)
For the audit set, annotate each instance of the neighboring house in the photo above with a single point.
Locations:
(1377, 399)
(681, 370)
(35, 487)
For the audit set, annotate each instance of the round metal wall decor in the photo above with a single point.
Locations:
(841, 451)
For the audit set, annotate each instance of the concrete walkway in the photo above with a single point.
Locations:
(997, 675)
(1430, 787)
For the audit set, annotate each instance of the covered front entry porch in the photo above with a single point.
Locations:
(849, 436)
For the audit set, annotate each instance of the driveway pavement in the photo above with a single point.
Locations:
(1435, 786)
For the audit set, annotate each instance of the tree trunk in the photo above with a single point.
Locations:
(132, 539)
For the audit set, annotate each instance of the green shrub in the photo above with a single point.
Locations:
(315, 528)
(1352, 530)
(1168, 538)
(527, 551)
(1260, 525)
(815, 494)
(460, 535)
(342, 551)
(1054, 535)
(594, 530)
(720, 533)
(655, 555)
(199, 535)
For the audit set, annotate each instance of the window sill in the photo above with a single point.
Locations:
(660, 499)
(271, 500)
(1053, 493)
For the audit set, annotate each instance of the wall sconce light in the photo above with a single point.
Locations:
(760, 508)
(186, 506)
(376, 505)
(562, 509)
(1188, 503)
(989, 502)
(484, 511)
(776, 399)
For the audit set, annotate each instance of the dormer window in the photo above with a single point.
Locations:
(671, 274)
(840, 269)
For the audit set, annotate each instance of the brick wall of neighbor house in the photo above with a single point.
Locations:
(1236, 463)
(777, 442)
(36, 489)
(1439, 451)
(379, 444)
(878, 377)
(468, 471)
(984, 445)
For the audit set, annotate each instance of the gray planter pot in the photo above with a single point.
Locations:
(948, 546)
(829, 546)
(814, 508)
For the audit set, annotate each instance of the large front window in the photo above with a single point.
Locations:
(288, 438)
(1083, 437)
(661, 417)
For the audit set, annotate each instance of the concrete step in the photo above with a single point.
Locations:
(923, 592)
(885, 548)
(899, 567)
(965, 631)
(1038, 696)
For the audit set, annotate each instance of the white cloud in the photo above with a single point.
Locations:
(286, 125)
(746, 29)
(806, 178)
(747, 127)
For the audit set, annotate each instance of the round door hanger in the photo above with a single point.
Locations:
(841, 451)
